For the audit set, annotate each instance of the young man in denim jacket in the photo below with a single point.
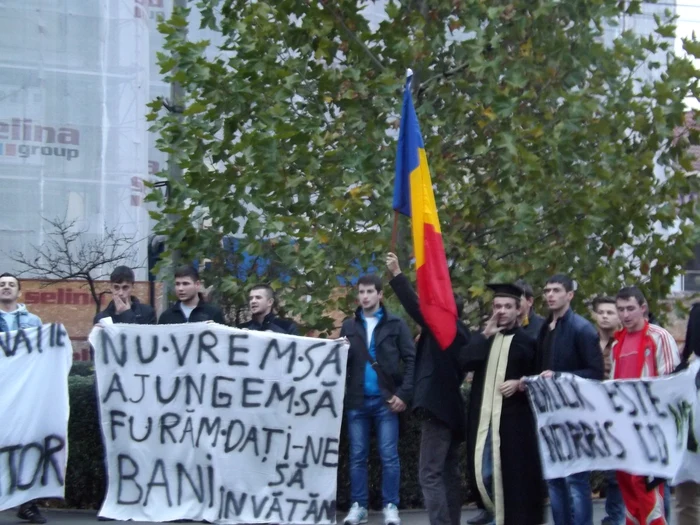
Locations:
(14, 316)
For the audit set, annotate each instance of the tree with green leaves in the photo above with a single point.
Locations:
(548, 151)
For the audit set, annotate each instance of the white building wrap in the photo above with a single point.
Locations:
(75, 77)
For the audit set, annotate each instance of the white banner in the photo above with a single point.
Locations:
(636, 426)
(34, 366)
(205, 422)
(690, 465)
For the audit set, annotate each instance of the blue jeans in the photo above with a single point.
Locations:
(614, 505)
(571, 501)
(386, 424)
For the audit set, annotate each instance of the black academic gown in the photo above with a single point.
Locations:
(518, 497)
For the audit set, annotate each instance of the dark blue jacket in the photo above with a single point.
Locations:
(393, 347)
(575, 347)
(534, 325)
(139, 313)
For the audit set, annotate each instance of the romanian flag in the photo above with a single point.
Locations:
(413, 196)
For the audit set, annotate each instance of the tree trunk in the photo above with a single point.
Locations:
(97, 298)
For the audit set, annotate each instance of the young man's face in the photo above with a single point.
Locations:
(186, 288)
(557, 297)
(368, 296)
(260, 301)
(606, 316)
(506, 310)
(123, 291)
(631, 313)
(9, 289)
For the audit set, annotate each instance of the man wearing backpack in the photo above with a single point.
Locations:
(377, 391)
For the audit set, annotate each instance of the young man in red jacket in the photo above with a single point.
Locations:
(641, 350)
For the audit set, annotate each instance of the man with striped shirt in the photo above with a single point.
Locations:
(641, 350)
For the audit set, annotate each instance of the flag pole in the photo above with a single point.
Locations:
(395, 228)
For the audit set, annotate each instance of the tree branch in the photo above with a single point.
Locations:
(351, 33)
(67, 255)
(445, 74)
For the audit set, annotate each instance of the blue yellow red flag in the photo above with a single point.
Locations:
(413, 197)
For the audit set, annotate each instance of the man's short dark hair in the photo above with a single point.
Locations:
(8, 274)
(371, 279)
(266, 287)
(602, 299)
(566, 281)
(631, 292)
(122, 274)
(187, 271)
(526, 288)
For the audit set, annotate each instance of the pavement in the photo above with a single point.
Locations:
(408, 517)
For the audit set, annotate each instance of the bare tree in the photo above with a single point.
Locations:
(69, 255)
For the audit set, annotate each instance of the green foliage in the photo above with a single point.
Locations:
(541, 140)
(85, 473)
(82, 368)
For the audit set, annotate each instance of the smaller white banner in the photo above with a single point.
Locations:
(690, 464)
(636, 426)
(34, 366)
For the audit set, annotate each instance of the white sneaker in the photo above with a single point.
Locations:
(356, 515)
(391, 515)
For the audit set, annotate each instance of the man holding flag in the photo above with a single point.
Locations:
(437, 397)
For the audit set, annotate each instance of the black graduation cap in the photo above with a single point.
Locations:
(506, 290)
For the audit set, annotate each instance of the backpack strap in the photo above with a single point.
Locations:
(385, 380)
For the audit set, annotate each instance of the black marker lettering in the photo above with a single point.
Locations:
(159, 394)
(655, 401)
(211, 428)
(233, 350)
(638, 427)
(168, 421)
(115, 385)
(182, 353)
(197, 489)
(149, 427)
(249, 392)
(191, 386)
(622, 454)
(122, 476)
(143, 387)
(274, 345)
(221, 399)
(154, 350)
(332, 358)
(236, 503)
(114, 422)
(207, 341)
(158, 471)
(276, 395)
(258, 506)
(109, 346)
